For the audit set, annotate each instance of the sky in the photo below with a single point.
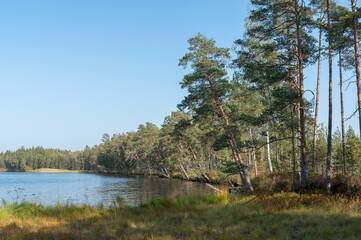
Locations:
(71, 71)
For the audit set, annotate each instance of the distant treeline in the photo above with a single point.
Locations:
(33, 158)
(176, 143)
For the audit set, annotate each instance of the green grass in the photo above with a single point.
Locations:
(278, 216)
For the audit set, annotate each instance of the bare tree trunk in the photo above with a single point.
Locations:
(269, 154)
(253, 153)
(255, 163)
(329, 134)
(181, 168)
(210, 164)
(202, 175)
(317, 96)
(206, 178)
(357, 62)
(249, 150)
(232, 141)
(342, 116)
(267, 137)
(165, 172)
(192, 152)
(304, 170)
(278, 157)
(293, 152)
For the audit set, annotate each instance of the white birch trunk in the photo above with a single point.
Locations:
(269, 154)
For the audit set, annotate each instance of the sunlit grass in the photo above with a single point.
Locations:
(277, 216)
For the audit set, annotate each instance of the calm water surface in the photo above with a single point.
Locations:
(91, 189)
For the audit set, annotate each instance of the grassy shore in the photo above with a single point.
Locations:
(277, 216)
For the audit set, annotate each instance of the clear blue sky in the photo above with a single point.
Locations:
(73, 70)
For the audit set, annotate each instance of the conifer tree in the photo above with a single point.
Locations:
(282, 31)
(329, 132)
(208, 87)
(357, 58)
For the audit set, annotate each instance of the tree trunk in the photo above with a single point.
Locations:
(165, 171)
(210, 163)
(278, 157)
(269, 154)
(317, 96)
(293, 152)
(206, 178)
(329, 134)
(304, 170)
(253, 153)
(255, 163)
(192, 152)
(249, 151)
(181, 168)
(342, 117)
(232, 141)
(357, 62)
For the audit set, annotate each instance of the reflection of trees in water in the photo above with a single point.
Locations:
(145, 188)
(93, 189)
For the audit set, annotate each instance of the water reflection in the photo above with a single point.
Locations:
(91, 189)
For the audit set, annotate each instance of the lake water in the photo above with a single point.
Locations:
(91, 189)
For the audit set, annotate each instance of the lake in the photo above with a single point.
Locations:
(91, 189)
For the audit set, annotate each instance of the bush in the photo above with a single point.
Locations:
(273, 183)
(348, 186)
(316, 183)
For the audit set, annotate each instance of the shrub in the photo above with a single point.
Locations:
(349, 186)
(273, 183)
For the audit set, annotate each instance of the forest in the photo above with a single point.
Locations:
(245, 113)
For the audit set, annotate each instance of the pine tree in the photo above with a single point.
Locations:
(208, 87)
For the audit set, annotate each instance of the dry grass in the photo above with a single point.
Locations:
(277, 216)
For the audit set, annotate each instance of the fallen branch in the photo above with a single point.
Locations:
(182, 170)
(214, 188)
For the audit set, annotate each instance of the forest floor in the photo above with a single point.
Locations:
(272, 216)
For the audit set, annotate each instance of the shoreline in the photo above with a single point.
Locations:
(214, 178)
(53, 170)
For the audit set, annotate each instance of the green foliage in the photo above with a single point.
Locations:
(34, 158)
(209, 77)
(228, 167)
(353, 149)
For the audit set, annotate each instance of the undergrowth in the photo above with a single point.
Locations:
(277, 182)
